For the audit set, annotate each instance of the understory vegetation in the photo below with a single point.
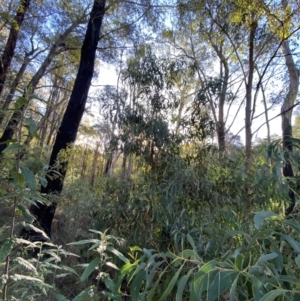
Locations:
(178, 232)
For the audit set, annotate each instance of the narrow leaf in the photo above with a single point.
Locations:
(60, 297)
(83, 242)
(12, 147)
(28, 218)
(90, 268)
(182, 284)
(261, 216)
(272, 295)
(29, 177)
(117, 253)
(85, 295)
(293, 243)
(171, 284)
(222, 282)
(6, 247)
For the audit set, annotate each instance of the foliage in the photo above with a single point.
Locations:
(168, 204)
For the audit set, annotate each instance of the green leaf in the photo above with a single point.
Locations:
(235, 233)
(257, 284)
(153, 289)
(203, 281)
(189, 254)
(28, 218)
(209, 266)
(29, 177)
(32, 125)
(238, 262)
(171, 284)
(135, 285)
(272, 295)
(7, 197)
(150, 276)
(112, 265)
(182, 285)
(20, 102)
(6, 248)
(265, 257)
(222, 282)
(12, 147)
(117, 253)
(293, 224)
(18, 277)
(60, 297)
(86, 294)
(43, 181)
(135, 248)
(279, 259)
(31, 227)
(293, 243)
(261, 216)
(297, 260)
(191, 241)
(233, 289)
(83, 242)
(26, 264)
(90, 268)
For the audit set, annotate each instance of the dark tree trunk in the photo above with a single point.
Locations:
(10, 46)
(68, 130)
(248, 111)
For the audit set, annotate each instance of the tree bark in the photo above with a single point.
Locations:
(286, 117)
(11, 43)
(94, 164)
(220, 123)
(69, 127)
(248, 111)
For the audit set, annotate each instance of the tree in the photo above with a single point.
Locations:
(286, 114)
(68, 129)
(10, 129)
(10, 46)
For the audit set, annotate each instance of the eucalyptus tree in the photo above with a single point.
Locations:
(200, 40)
(147, 118)
(243, 36)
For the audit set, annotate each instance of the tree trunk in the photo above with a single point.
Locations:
(286, 117)
(13, 87)
(220, 123)
(248, 111)
(16, 117)
(10, 46)
(69, 127)
(94, 164)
